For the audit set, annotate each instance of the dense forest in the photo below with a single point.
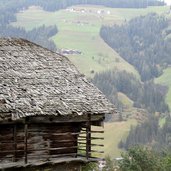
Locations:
(146, 95)
(142, 42)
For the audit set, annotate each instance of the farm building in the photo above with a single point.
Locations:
(47, 109)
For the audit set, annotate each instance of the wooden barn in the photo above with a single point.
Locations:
(47, 109)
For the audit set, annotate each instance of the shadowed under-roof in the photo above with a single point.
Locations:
(35, 81)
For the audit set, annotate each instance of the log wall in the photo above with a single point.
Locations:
(37, 141)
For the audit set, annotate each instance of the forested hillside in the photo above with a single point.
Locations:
(145, 43)
(149, 133)
(142, 43)
(146, 95)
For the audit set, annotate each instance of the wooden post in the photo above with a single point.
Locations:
(25, 142)
(88, 136)
(15, 142)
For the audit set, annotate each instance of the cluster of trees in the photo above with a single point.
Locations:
(142, 42)
(40, 35)
(144, 133)
(149, 133)
(144, 159)
(137, 158)
(55, 5)
(145, 95)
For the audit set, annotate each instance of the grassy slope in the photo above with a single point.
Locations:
(165, 79)
(84, 36)
(162, 121)
(96, 55)
(128, 103)
(114, 132)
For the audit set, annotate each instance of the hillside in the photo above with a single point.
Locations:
(79, 30)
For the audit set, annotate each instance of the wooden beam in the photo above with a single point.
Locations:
(88, 136)
(25, 142)
(15, 142)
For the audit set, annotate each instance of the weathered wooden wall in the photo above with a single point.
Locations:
(43, 141)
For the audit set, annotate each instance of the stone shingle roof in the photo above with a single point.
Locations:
(35, 81)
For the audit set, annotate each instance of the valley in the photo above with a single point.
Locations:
(79, 28)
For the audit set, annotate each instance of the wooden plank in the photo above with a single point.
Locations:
(97, 131)
(39, 149)
(56, 134)
(54, 141)
(100, 145)
(53, 149)
(11, 142)
(92, 138)
(81, 138)
(91, 151)
(53, 156)
(97, 138)
(96, 151)
(11, 151)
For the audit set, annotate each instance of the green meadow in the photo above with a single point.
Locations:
(114, 132)
(80, 31)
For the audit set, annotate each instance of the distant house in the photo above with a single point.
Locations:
(47, 109)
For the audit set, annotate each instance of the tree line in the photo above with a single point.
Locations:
(150, 134)
(9, 8)
(137, 158)
(142, 42)
(40, 35)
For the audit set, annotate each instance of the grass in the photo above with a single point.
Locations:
(128, 103)
(165, 79)
(162, 121)
(114, 132)
(80, 31)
